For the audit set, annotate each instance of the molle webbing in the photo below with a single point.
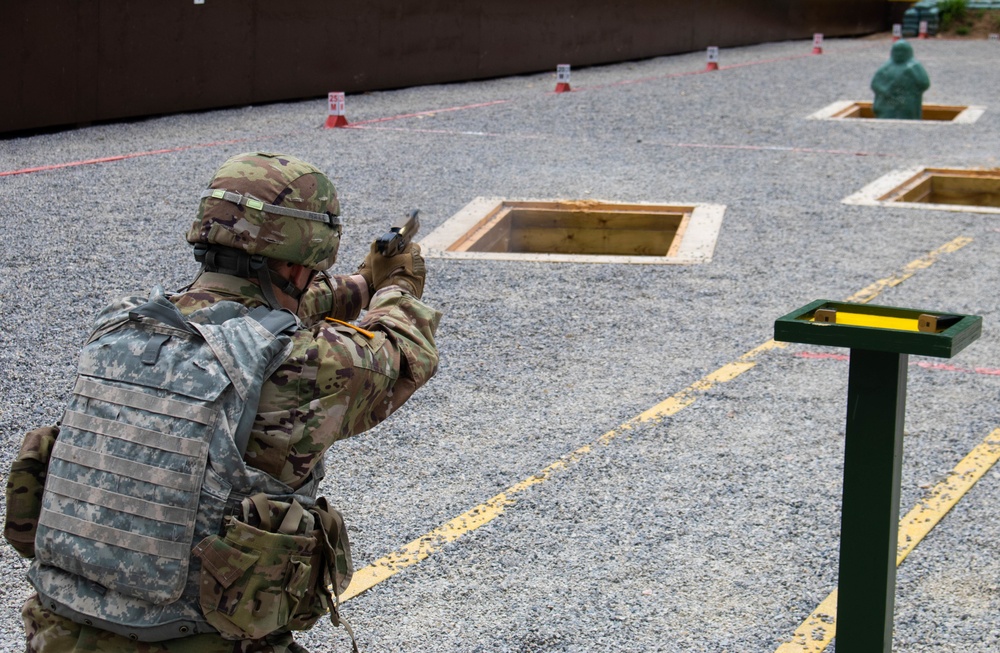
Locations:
(123, 467)
(149, 460)
(132, 399)
(119, 502)
(137, 434)
(120, 538)
(129, 493)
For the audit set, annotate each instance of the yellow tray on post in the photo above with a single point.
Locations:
(879, 328)
(880, 339)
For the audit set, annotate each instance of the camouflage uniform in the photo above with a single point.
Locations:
(337, 381)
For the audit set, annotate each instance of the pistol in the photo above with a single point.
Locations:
(399, 235)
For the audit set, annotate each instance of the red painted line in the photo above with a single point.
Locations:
(430, 112)
(182, 148)
(779, 148)
(418, 130)
(927, 365)
(703, 71)
(988, 371)
(710, 146)
(638, 80)
(821, 355)
(945, 367)
(363, 123)
(122, 157)
(57, 166)
(453, 132)
(792, 57)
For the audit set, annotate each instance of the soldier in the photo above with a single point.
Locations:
(899, 85)
(266, 231)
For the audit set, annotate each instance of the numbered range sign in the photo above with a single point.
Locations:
(562, 78)
(817, 43)
(335, 115)
(336, 101)
(712, 55)
(897, 32)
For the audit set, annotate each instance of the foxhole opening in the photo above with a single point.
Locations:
(578, 231)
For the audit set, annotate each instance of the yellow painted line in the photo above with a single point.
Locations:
(869, 293)
(925, 515)
(820, 627)
(817, 631)
(433, 541)
(370, 576)
(422, 547)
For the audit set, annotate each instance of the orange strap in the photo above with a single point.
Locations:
(364, 332)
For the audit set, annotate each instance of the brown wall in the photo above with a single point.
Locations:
(68, 62)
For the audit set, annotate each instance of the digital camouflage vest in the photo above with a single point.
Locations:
(149, 463)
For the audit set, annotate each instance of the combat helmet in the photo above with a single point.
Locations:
(266, 206)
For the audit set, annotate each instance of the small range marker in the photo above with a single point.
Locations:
(335, 116)
(712, 55)
(562, 78)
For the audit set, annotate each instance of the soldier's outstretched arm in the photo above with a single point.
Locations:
(339, 296)
(342, 379)
(409, 326)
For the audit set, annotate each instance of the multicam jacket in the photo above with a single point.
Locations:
(339, 380)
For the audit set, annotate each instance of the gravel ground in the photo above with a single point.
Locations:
(713, 530)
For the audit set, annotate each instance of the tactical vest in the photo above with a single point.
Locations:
(149, 462)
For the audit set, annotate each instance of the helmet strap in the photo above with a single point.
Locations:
(226, 260)
(267, 280)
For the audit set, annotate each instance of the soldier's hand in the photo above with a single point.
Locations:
(406, 269)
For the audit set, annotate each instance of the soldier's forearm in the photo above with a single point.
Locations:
(340, 296)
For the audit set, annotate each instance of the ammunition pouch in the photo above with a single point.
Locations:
(271, 568)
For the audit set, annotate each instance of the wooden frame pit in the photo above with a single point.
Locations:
(578, 231)
(932, 113)
(951, 189)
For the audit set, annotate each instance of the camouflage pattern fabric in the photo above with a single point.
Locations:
(277, 179)
(259, 579)
(49, 633)
(24, 489)
(336, 382)
(144, 469)
(340, 297)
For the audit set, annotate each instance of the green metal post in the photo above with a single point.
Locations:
(876, 401)
(880, 338)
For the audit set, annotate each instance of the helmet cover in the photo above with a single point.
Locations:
(241, 209)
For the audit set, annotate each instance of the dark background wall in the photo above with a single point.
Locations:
(67, 62)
